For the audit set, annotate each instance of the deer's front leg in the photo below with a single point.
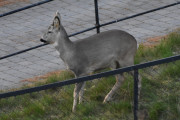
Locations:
(76, 94)
(81, 92)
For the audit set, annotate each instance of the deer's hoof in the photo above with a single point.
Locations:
(73, 110)
(107, 100)
(81, 101)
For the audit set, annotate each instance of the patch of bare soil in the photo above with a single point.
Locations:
(153, 41)
(7, 2)
(42, 77)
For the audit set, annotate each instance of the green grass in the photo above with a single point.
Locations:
(160, 94)
(167, 47)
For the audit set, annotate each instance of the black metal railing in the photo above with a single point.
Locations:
(134, 68)
(95, 76)
(97, 16)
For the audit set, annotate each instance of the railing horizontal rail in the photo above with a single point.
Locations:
(19, 52)
(41, 45)
(87, 78)
(24, 8)
(139, 14)
(88, 29)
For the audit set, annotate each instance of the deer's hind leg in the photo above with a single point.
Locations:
(126, 61)
(139, 82)
(119, 81)
(129, 61)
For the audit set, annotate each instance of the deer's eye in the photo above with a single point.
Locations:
(49, 32)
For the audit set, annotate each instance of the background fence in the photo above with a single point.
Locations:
(23, 69)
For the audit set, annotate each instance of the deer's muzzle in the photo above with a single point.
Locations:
(42, 40)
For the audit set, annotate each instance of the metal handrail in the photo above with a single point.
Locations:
(87, 78)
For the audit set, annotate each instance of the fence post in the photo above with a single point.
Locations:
(97, 16)
(136, 94)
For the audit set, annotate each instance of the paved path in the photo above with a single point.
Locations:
(23, 30)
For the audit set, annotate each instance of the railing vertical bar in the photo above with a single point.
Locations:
(136, 94)
(97, 16)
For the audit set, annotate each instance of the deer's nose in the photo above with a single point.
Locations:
(42, 40)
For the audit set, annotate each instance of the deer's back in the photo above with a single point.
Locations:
(112, 41)
(100, 50)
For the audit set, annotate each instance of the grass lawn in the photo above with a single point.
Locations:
(160, 98)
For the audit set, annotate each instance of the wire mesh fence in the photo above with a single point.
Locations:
(160, 93)
(159, 98)
(23, 29)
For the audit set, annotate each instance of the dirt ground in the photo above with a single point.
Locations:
(153, 41)
(41, 77)
(7, 2)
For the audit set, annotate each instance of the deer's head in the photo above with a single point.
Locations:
(53, 30)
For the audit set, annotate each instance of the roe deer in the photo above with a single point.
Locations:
(110, 49)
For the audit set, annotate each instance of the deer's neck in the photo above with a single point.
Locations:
(63, 44)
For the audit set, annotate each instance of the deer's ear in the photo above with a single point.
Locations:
(56, 21)
(58, 15)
